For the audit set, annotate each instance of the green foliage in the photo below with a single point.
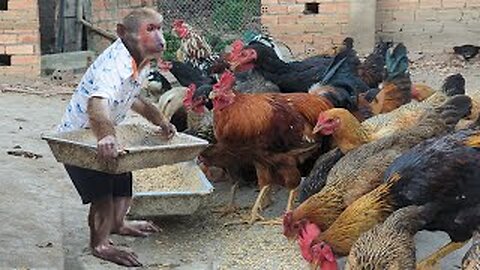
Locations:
(217, 43)
(230, 14)
(173, 43)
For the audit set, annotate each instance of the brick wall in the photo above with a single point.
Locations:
(20, 38)
(429, 25)
(107, 13)
(423, 25)
(306, 33)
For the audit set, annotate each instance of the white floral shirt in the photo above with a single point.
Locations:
(112, 76)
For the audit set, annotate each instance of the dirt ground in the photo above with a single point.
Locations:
(45, 224)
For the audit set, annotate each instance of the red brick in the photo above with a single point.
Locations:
(24, 71)
(405, 15)
(287, 1)
(456, 3)
(275, 9)
(8, 38)
(297, 9)
(316, 18)
(431, 4)
(20, 49)
(290, 28)
(268, 2)
(328, 7)
(343, 7)
(472, 3)
(269, 19)
(3, 49)
(22, 4)
(28, 38)
(25, 59)
(289, 18)
(321, 39)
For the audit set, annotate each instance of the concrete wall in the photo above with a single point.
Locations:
(20, 38)
(429, 25)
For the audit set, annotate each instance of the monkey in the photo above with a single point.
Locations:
(108, 89)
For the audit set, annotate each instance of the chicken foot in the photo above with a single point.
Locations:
(231, 207)
(432, 261)
(279, 221)
(263, 200)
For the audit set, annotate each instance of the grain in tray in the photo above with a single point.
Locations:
(176, 177)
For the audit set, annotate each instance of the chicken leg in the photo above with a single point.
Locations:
(279, 221)
(231, 207)
(263, 200)
(432, 261)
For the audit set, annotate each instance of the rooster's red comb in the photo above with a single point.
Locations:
(226, 82)
(178, 22)
(305, 238)
(188, 99)
(237, 46)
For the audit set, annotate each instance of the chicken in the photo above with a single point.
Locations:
(466, 51)
(397, 87)
(156, 84)
(471, 260)
(170, 104)
(415, 178)
(361, 169)
(348, 133)
(296, 76)
(194, 49)
(272, 130)
(372, 69)
(453, 85)
(390, 245)
(421, 91)
(281, 49)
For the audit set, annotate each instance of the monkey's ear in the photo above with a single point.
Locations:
(121, 30)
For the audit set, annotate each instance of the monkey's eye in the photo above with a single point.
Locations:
(150, 27)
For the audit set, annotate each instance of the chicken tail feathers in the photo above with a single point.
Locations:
(454, 109)
(396, 61)
(342, 75)
(454, 85)
(473, 141)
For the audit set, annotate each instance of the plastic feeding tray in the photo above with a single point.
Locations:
(169, 190)
(143, 149)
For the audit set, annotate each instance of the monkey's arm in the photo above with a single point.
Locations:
(99, 117)
(149, 111)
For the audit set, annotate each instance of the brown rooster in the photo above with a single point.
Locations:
(390, 245)
(449, 190)
(272, 130)
(361, 169)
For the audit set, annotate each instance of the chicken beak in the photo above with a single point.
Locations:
(314, 266)
(317, 128)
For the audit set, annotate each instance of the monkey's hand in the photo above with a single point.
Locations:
(166, 131)
(107, 147)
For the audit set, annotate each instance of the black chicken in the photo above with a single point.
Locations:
(466, 51)
(444, 172)
(296, 76)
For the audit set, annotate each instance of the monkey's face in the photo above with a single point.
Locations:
(150, 37)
